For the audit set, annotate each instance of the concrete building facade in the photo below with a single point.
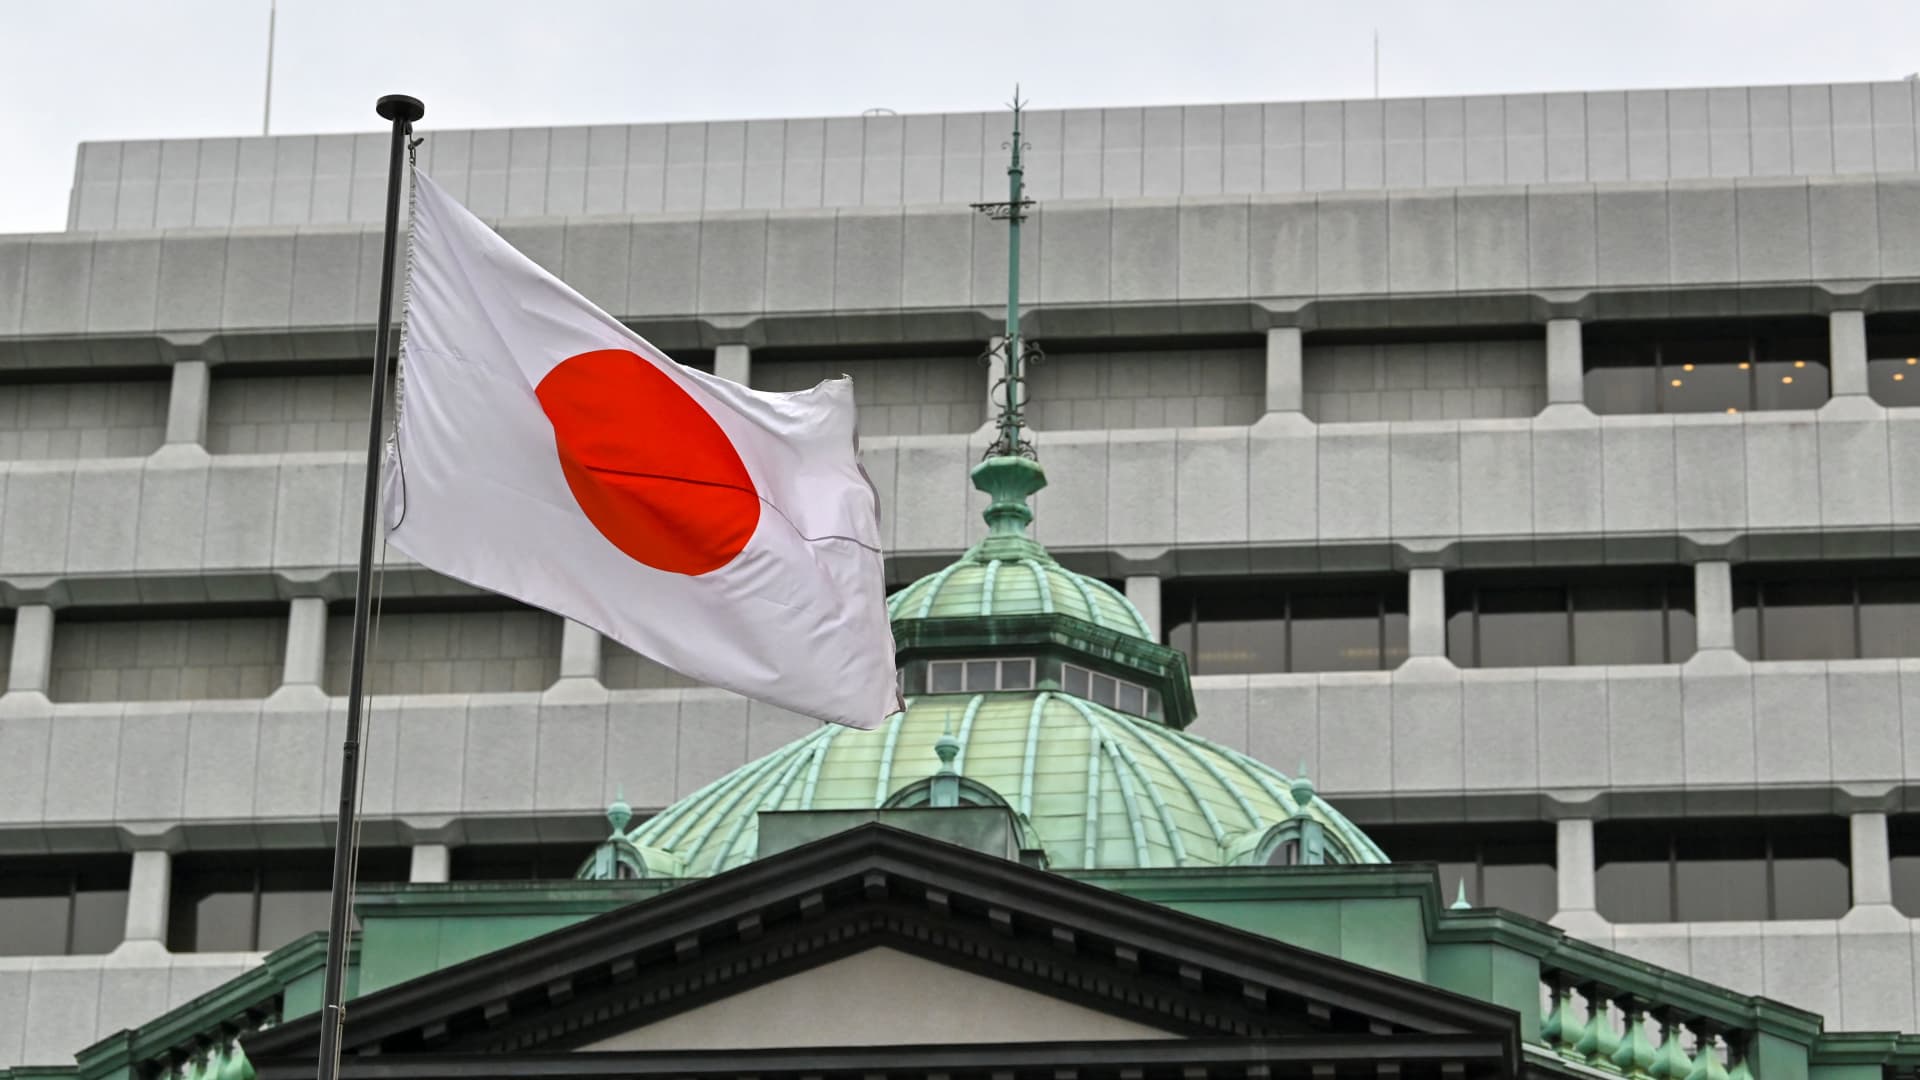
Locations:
(1543, 471)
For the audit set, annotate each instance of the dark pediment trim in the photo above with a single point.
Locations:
(1429, 1057)
(876, 885)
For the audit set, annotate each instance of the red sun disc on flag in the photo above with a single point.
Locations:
(648, 465)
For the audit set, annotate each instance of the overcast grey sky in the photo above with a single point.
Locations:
(73, 70)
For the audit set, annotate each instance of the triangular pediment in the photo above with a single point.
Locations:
(889, 944)
(878, 997)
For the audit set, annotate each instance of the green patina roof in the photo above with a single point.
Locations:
(1100, 789)
(1094, 787)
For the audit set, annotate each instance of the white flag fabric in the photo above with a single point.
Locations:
(547, 452)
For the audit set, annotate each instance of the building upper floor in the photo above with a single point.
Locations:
(886, 160)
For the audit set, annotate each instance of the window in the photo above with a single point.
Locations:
(1106, 690)
(1827, 611)
(1893, 359)
(1715, 870)
(63, 905)
(1507, 865)
(1714, 367)
(1903, 843)
(1532, 619)
(1233, 626)
(979, 676)
(516, 862)
(257, 901)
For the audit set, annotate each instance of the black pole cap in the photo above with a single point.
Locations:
(400, 107)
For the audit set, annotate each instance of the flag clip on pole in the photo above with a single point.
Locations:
(402, 111)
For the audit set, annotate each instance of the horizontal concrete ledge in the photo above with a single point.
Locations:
(1434, 744)
(1565, 487)
(1561, 242)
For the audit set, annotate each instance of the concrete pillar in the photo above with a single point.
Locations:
(734, 362)
(32, 650)
(1566, 381)
(430, 864)
(1847, 347)
(579, 651)
(1426, 612)
(1284, 359)
(1872, 862)
(149, 890)
(306, 661)
(1713, 604)
(1573, 860)
(187, 403)
(1144, 591)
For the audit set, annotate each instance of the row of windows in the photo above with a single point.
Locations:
(1746, 869)
(221, 901)
(1627, 615)
(1694, 870)
(1728, 366)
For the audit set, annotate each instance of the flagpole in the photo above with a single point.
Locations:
(402, 111)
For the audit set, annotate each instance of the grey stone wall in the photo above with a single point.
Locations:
(1443, 380)
(450, 652)
(1815, 130)
(623, 669)
(172, 659)
(1147, 389)
(54, 420)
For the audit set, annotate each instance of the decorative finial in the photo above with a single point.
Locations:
(947, 748)
(1460, 897)
(1009, 391)
(619, 813)
(1302, 787)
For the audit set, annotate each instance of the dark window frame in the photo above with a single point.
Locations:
(1658, 338)
(1751, 580)
(1479, 839)
(1767, 829)
(1476, 583)
(1291, 589)
(183, 930)
(76, 869)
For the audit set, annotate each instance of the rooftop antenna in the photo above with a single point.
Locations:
(273, 17)
(1376, 61)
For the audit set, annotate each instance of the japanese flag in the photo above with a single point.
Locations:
(546, 452)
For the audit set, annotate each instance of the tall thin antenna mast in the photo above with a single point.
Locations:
(1013, 352)
(266, 115)
(1376, 61)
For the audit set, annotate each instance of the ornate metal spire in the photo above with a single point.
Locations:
(1013, 353)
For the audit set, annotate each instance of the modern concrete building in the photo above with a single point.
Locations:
(1543, 471)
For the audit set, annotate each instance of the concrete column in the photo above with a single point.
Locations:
(734, 362)
(1426, 612)
(430, 863)
(1847, 346)
(149, 890)
(1872, 862)
(579, 652)
(1573, 859)
(306, 661)
(1284, 359)
(1144, 591)
(1713, 604)
(32, 650)
(1566, 381)
(187, 403)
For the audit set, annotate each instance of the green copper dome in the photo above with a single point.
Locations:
(1096, 787)
(1035, 688)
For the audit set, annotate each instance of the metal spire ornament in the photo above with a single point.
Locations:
(1014, 353)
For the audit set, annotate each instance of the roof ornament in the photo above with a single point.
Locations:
(619, 813)
(1303, 793)
(1460, 898)
(1012, 351)
(1010, 472)
(944, 790)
